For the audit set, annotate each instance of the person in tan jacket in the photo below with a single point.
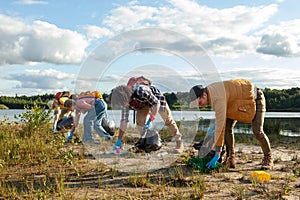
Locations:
(232, 101)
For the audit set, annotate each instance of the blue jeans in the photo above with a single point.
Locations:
(93, 119)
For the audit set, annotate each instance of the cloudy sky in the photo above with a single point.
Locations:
(47, 45)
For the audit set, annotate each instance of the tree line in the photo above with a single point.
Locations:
(276, 100)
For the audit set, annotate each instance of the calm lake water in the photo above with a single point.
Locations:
(289, 121)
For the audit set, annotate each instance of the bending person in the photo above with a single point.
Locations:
(63, 118)
(232, 101)
(144, 99)
(96, 110)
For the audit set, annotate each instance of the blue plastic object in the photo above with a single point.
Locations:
(213, 163)
(118, 144)
(70, 135)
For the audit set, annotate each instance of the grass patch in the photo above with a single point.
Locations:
(37, 164)
(3, 107)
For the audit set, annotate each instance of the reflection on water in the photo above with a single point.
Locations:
(289, 133)
(284, 123)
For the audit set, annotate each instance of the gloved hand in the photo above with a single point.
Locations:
(212, 164)
(148, 124)
(118, 143)
(211, 130)
(70, 135)
(64, 118)
(53, 129)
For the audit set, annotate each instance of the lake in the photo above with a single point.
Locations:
(289, 121)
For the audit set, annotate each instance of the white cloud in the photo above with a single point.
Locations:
(281, 40)
(96, 32)
(40, 79)
(263, 77)
(221, 31)
(21, 43)
(129, 17)
(30, 2)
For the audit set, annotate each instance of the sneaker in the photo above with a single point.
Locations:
(179, 146)
(230, 162)
(267, 163)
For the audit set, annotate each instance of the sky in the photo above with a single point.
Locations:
(48, 46)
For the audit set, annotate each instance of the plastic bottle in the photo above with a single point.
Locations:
(118, 150)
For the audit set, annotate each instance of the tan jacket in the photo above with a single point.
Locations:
(233, 99)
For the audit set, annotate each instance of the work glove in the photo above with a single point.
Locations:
(212, 164)
(70, 135)
(211, 130)
(53, 129)
(148, 123)
(118, 143)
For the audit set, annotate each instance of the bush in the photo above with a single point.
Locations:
(28, 141)
(3, 107)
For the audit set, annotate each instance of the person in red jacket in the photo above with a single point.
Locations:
(232, 101)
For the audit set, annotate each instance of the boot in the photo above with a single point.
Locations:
(267, 163)
(229, 143)
(230, 161)
(179, 146)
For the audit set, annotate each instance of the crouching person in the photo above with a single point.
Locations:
(145, 100)
(95, 109)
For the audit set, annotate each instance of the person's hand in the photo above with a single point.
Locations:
(212, 164)
(53, 129)
(148, 124)
(118, 143)
(64, 118)
(70, 135)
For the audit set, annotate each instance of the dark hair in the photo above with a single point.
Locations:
(196, 91)
(120, 95)
(74, 96)
(69, 103)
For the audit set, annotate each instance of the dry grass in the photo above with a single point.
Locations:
(36, 164)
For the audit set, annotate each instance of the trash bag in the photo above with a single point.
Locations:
(63, 124)
(200, 164)
(108, 125)
(210, 154)
(149, 141)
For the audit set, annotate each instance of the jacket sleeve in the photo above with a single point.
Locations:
(219, 106)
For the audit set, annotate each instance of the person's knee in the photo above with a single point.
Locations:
(229, 131)
(259, 134)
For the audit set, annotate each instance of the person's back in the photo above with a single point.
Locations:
(60, 112)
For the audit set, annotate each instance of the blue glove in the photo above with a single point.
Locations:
(53, 129)
(118, 144)
(148, 124)
(211, 130)
(212, 164)
(64, 118)
(70, 135)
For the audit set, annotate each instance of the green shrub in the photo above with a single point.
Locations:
(3, 107)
